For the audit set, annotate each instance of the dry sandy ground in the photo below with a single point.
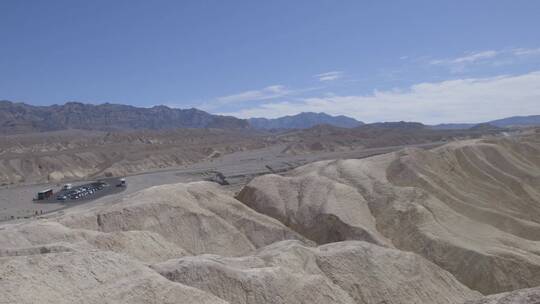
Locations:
(238, 167)
(77, 154)
(521, 296)
(32, 162)
(414, 226)
(195, 243)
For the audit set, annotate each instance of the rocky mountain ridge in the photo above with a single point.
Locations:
(304, 120)
(23, 118)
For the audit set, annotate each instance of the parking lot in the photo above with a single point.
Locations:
(237, 168)
(89, 191)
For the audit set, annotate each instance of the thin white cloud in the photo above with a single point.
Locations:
(476, 56)
(469, 58)
(329, 76)
(269, 92)
(247, 97)
(492, 57)
(526, 52)
(461, 100)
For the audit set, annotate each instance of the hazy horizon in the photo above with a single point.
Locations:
(294, 114)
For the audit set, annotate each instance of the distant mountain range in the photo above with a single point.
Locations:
(24, 118)
(514, 121)
(309, 119)
(303, 121)
(517, 121)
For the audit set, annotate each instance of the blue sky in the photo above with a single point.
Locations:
(428, 61)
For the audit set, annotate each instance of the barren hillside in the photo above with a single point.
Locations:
(208, 248)
(440, 226)
(472, 207)
(78, 154)
(520, 296)
(331, 138)
(82, 154)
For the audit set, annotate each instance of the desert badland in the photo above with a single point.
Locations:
(392, 213)
(269, 152)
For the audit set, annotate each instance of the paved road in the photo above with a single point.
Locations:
(238, 168)
(26, 206)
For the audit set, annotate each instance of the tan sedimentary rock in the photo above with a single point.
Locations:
(472, 207)
(344, 272)
(520, 296)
